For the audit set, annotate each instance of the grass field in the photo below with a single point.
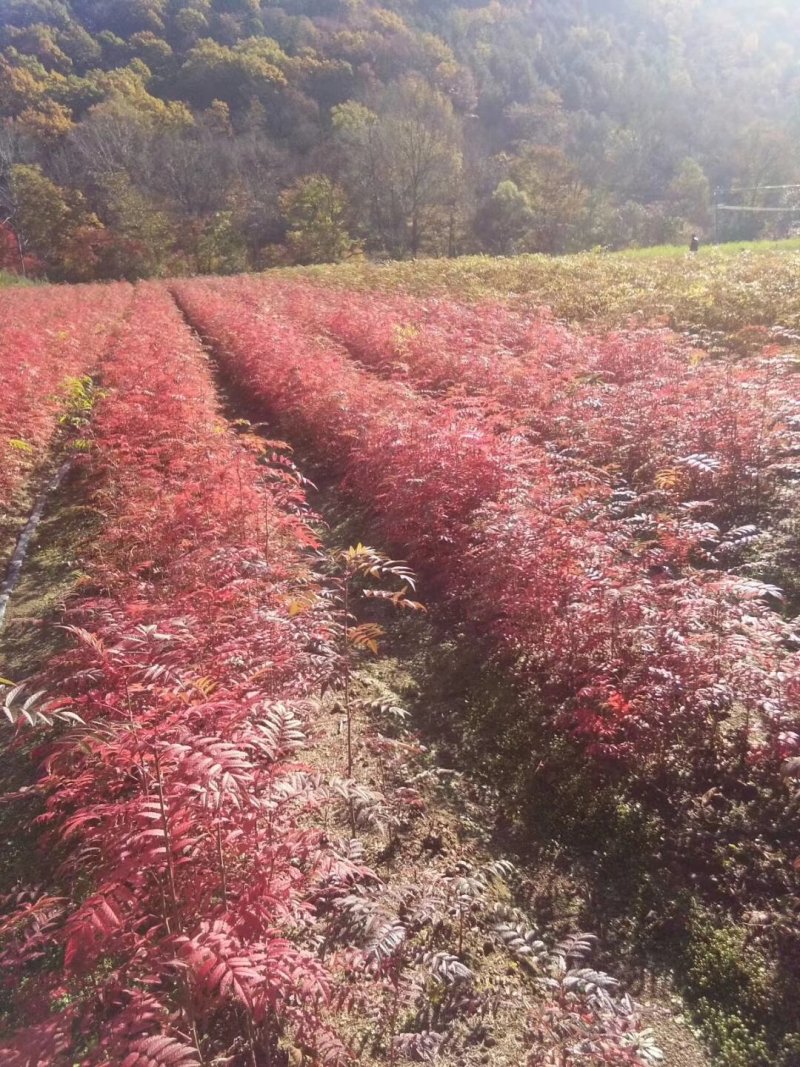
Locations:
(724, 289)
(7, 280)
(730, 248)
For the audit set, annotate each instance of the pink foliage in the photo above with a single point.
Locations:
(630, 642)
(47, 336)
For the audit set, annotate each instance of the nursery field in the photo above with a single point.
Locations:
(517, 784)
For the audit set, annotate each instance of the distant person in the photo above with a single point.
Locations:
(694, 244)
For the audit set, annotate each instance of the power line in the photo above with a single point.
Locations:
(747, 209)
(757, 210)
(762, 188)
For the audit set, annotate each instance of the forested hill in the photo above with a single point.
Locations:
(152, 136)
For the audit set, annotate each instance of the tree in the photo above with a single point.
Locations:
(405, 164)
(221, 248)
(10, 260)
(152, 50)
(13, 243)
(504, 220)
(766, 158)
(315, 211)
(54, 225)
(42, 212)
(251, 69)
(21, 86)
(689, 195)
(147, 235)
(556, 195)
(610, 119)
(129, 87)
(50, 121)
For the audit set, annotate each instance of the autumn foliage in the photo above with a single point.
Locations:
(591, 574)
(589, 513)
(47, 339)
(177, 800)
(206, 900)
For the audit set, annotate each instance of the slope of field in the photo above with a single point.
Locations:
(255, 857)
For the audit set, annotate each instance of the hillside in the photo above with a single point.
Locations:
(160, 137)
